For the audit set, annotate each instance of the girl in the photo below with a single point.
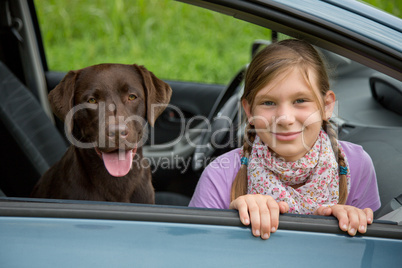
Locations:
(290, 160)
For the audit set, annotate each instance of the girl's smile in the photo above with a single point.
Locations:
(286, 136)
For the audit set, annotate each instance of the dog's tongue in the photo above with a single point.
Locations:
(118, 163)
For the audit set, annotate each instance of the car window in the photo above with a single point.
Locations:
(174, 40)
(160, 35)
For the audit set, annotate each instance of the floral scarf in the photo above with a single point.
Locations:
(318, 170)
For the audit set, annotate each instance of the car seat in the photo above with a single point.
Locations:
(28, 138)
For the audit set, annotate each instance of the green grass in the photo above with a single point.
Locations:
(391, 6)
(154, 33)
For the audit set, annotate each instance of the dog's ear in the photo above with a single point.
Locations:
(61, 98)
(158, 93)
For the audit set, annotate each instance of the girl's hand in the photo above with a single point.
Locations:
(351, 219)
(262, 211)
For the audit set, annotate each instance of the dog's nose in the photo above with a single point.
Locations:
(120, 131)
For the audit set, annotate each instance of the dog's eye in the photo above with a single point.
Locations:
(92, 101)
(131, 97)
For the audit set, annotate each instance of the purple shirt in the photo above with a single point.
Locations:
(213, 188)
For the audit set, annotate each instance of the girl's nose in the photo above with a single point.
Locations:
(285, 115)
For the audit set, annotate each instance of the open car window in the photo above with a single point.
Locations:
(173, 141)
(365, 74)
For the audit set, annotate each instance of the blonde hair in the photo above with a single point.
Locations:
(265, 67)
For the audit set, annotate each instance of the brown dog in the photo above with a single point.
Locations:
(105, 108)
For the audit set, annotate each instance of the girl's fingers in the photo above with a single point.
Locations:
(362, 221)
(323, 211)
(354, 216)
(369, 214)
(241, 205)
(262, 212)
(265, 218)
(283, 207)
(341, 214)
(274, 209)
(255, 217)
(352, 219)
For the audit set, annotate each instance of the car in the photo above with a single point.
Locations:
(202, 121)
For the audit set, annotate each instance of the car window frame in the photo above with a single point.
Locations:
(78, 209)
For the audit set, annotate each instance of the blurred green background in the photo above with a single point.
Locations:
(170, 38)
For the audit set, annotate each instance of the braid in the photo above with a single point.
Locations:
(239, 186)
(343, 186)
(249, 139)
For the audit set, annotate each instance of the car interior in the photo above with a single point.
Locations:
(368, 113)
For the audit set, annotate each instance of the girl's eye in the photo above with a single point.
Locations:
(131, 97)
(92, 101)
(268, 103)
(300, 101)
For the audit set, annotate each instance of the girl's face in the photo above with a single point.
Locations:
(286, 116)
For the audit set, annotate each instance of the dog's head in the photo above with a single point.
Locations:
(106, 107)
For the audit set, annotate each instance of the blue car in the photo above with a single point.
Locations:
(365, 45)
